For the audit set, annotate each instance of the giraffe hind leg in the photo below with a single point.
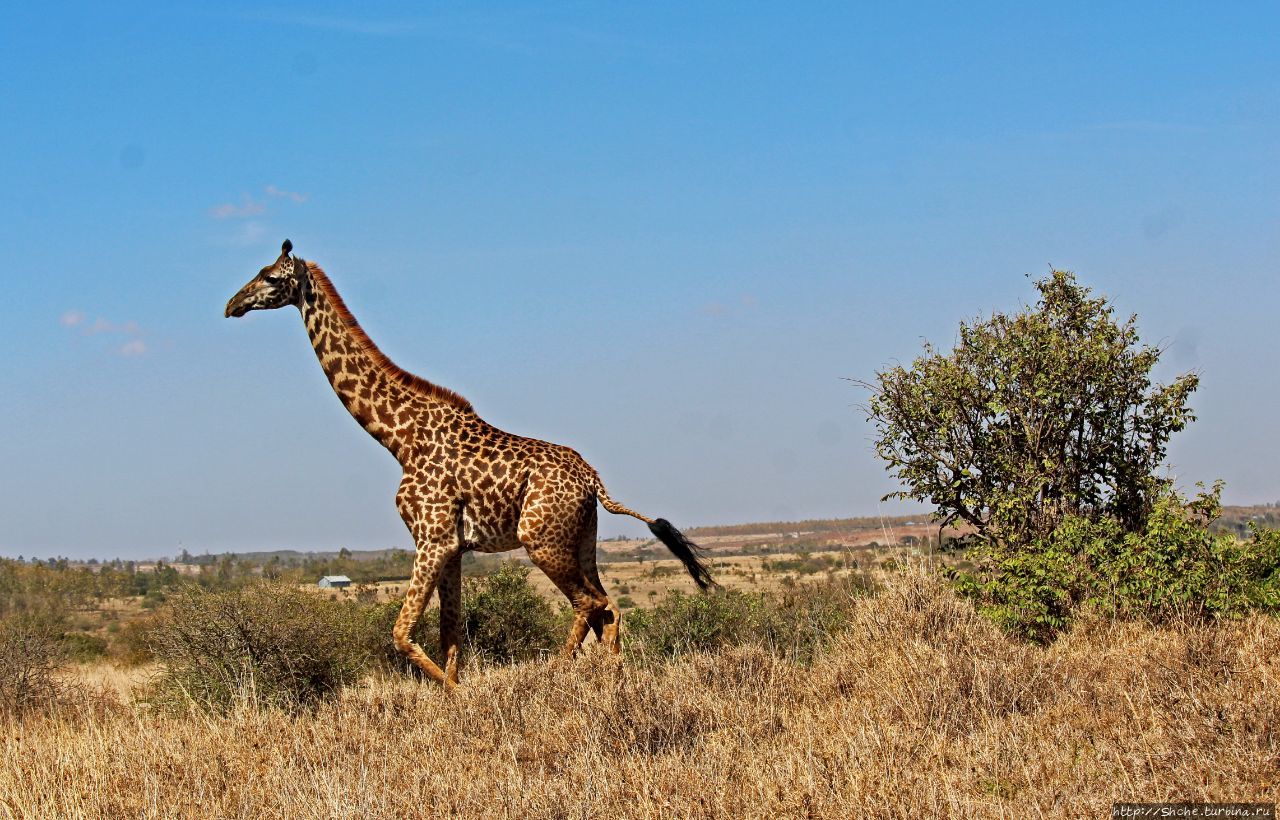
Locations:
(450, 588)
(588, 605)
(550, 529)
(607, 622)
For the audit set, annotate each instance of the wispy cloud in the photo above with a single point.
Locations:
(229, 210)
(131, 333)
(280, 193)
(250, 206)
(101, 325)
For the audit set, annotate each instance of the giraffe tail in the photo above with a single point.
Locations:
(689, 553)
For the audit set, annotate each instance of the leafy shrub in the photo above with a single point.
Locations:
(83, 647)
(504, 619)
(31, 650)
(796, 623)
(1174, 567)
(804, 563)
(376, 635)
(696, 623)
(264, 643)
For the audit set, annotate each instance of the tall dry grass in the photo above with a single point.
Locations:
(921, 707)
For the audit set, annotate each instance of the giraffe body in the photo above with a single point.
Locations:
(467, 486)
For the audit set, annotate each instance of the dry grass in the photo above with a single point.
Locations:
(922, 707)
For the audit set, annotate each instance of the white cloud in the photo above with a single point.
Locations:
(228, 210)
(292, 196)
(133, 344)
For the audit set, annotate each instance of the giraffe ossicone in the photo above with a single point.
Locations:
(467, 486)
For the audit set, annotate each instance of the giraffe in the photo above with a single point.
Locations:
(467, 486)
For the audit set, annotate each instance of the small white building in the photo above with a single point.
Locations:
(334, 582)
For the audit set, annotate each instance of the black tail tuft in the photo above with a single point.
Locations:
(688, 552)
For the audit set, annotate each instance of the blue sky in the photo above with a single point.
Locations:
(659, 233)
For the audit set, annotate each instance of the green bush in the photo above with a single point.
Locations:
(265, 644)
(504, 619)
(83, 647)
(376, 635)
(804, 563)
(1174, 567)
(695, 623)
(795, 624)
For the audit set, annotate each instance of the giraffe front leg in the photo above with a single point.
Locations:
(435, 533)
(423, 584)
(451, 617)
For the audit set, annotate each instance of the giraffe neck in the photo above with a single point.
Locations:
(394, 406)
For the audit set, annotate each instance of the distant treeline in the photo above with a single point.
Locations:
(60, 586)
(362, 567)
(1238, 519)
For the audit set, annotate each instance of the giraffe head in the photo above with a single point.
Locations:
(276, 285)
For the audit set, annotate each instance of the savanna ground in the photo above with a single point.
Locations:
(918, 706)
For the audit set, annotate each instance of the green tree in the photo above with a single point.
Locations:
(1176, 566)
(1033, 416)
(505, 618)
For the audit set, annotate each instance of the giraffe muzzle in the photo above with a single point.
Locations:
(239, 304)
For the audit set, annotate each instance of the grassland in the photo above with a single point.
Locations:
(920, 708)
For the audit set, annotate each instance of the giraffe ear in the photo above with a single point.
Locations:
(286, 248)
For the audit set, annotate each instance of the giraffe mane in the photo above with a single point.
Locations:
(389, 368)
